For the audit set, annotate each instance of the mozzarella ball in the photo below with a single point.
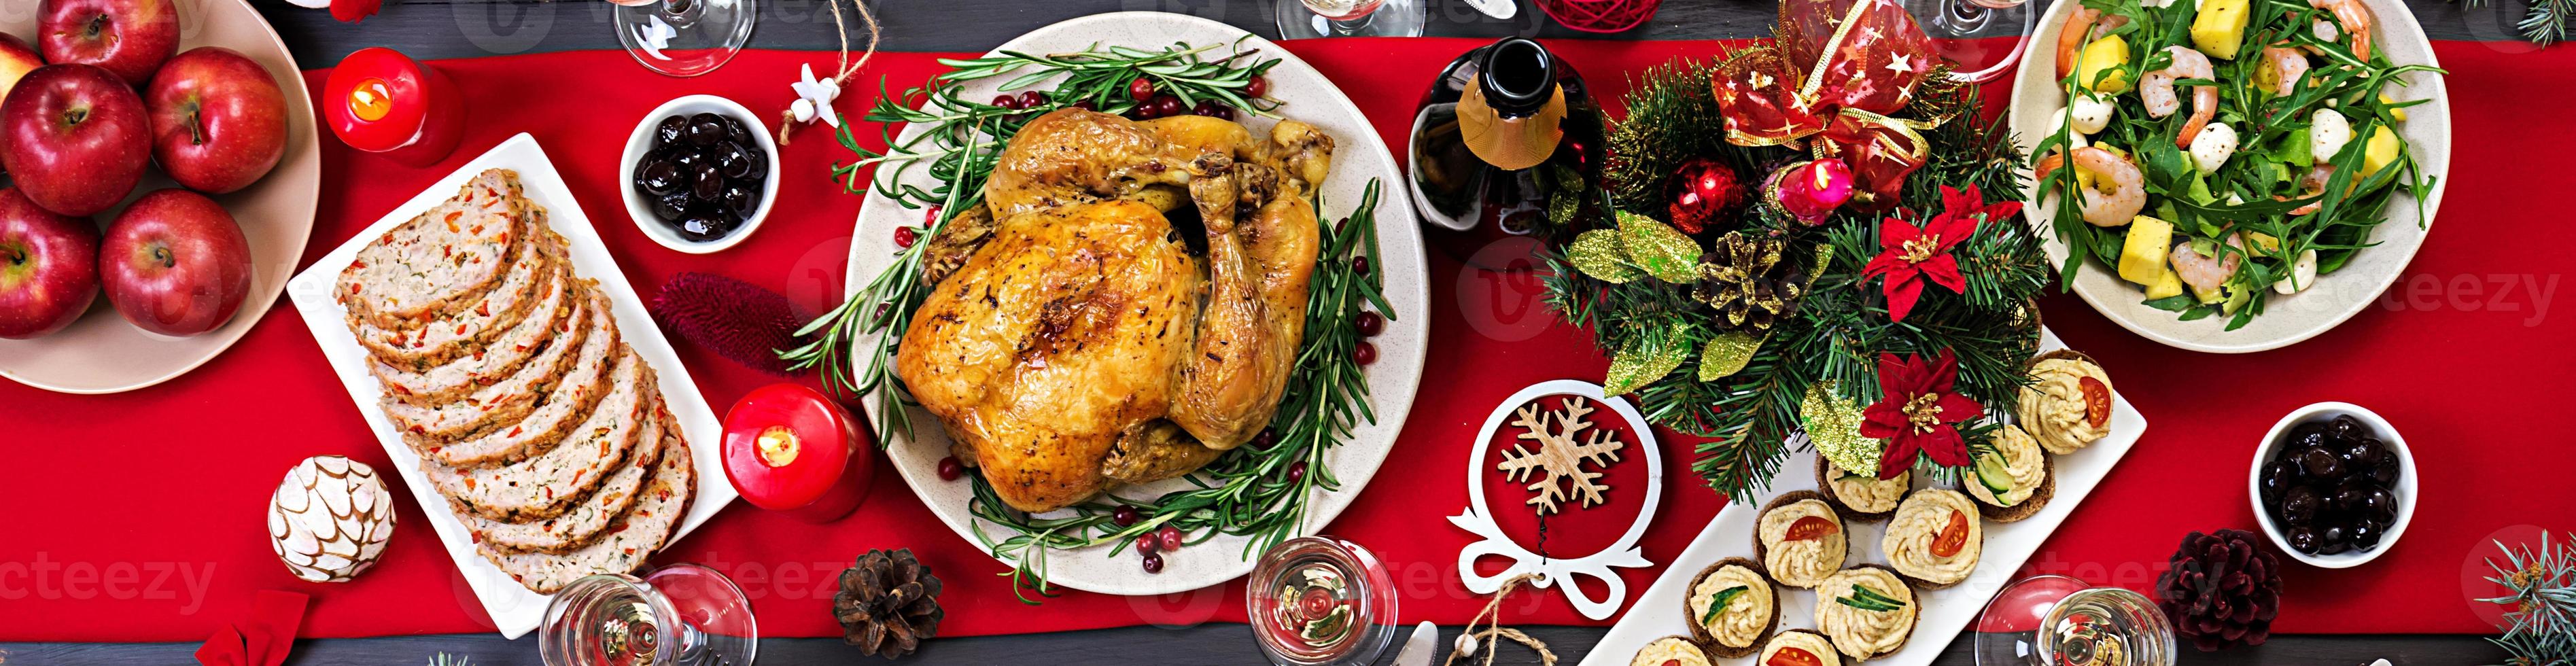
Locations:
(2303, 274)
(2328, 131)
(2211, 148)
(2090, 113)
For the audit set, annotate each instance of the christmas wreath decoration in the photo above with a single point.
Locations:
(1864, 292)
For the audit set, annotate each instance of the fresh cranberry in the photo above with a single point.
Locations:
(1146, 543)
(1031, 99)
(930, 217)
(1086, 105)
(1365, 353)
(1142, 89)
(950, 469)
(1171, 538)
(1153, 563)
(1257, 87)
(1212, 109)
(1265, 439)
(1360, 265)
(1297, 472)
(904, 237)
(1370, 323)
(1007, 102)
(1124, 515)
(1166, 106)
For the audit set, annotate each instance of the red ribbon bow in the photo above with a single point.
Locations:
(263, 639)
(1835, 72)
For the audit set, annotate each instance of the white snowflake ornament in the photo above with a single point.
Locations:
(814, 98)
(1606, 592)
(330, 518)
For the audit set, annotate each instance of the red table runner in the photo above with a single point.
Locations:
(138, 516)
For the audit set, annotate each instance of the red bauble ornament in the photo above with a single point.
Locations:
(1703, 193)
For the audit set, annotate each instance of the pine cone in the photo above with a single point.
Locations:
(1747, 280)
(2222, 590)
(888, 603)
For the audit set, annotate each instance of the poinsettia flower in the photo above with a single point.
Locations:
(1919, 412)
(351, 11)
(1910, 255)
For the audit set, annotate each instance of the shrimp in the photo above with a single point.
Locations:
(2280, 69)
(2070, 40)
(2356, 22)
(2119, 188)
(2315, 184)
(2202, 272)
(2156, 88)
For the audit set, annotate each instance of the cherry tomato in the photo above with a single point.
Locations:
(1811, 528)
(1953, 536)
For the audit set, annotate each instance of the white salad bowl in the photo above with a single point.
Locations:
(640, 210)
(2404, 489)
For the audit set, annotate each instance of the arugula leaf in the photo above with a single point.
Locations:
(2175, 303)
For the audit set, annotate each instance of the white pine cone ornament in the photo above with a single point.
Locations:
(330, 518)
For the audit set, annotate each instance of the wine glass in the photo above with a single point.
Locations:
(684, 37)
(2059, 620)
(1299, 19)
(1984, 36)
(679, 615)
(1320, 601)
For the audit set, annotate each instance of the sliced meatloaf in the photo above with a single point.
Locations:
(442, 258)
(548, 485)
(504, 402)
(576, 528)
(466, 330)
(650, 524)
(566, 403)
(431, 385)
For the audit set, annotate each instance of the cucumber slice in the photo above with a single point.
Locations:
(1990, 472)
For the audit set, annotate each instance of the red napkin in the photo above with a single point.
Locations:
(264, 639)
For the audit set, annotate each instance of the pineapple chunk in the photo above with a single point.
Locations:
(2219, 30)
(2379, 152)
(2207, 296)
(2264, 240)
(2101, 55)
(2398, 113)
(2167, 285)
(2142, 255)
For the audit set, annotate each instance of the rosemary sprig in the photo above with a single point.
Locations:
(1254, 490)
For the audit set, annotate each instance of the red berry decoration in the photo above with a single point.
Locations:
(1364, 354)
(950, 469)
(1703, 193)
(1142, 89)
(2222, 590)
(1146, 543)
(1086, 105)
(930, 217)
(1360, 265)
(1257, 87)
(904, 237)
(1166, 106)
(1153, 563)
(1031, 99)
(1266, 438)
(1370, 323)
(1123, 515)
(1007, 102)
(1297, 472)
(1171, 538)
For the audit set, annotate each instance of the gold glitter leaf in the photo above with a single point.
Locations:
(1644, 360)
(1661, 250)
(1833, 426)
(1597, 254)
(1727, 353)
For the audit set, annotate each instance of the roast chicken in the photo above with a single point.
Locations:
(1075, 339)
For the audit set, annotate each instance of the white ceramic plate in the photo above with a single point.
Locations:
(2036, 100)
(102, 352)
(1943, 613)
(1359, 157)
(515, 609)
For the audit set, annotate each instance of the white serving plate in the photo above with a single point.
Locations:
(1942, 613)
(1359, 156)
(2286, 320)
(513, 608)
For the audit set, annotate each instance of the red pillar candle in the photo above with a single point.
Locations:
(789, 448)
(381, 101)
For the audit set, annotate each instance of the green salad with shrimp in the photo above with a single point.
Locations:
(2221, 152)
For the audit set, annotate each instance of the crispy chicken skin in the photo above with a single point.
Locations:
(1071, 343)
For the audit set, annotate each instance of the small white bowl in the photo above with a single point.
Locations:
(2404, 488)
(640, 210)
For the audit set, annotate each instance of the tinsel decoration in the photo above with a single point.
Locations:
(1833, 426)
(1749, 281)
(1704, 193)
(888, 603)
(735, 319)
(2221, 590)
(2539, 600)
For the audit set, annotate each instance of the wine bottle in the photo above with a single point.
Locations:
(1504, 152)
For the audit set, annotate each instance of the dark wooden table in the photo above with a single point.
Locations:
(467, 28)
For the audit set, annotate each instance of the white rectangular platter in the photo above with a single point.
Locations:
(514, 609)
(1943, 613)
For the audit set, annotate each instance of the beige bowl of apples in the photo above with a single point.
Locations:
(163, 176)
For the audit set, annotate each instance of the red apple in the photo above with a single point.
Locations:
(77, 139)
(218, 120)
(16, 60)
(48, 267)
(128, 37)
(175, 263)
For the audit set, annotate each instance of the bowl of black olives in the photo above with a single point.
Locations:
(2333, 485)
(697, 173)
